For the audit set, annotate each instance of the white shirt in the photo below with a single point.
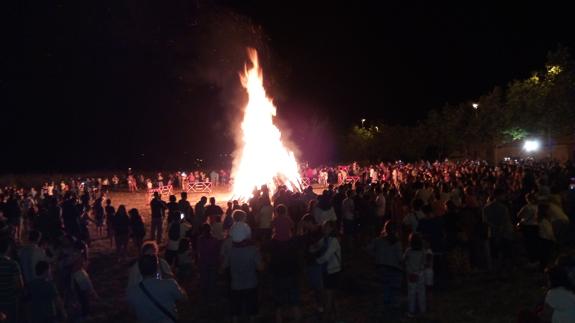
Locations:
(321, 216)
(29, 256)
(563, 303)
(174, 245)
(528, 214)
(332, 256)
(165, 291)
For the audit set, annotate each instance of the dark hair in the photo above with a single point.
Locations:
(184, 245)
(184, 195)
(5, 245)
(172, 198)
(498, 193)
(34, 236)
(239, 215)
(212, 200)
(148, 265)
(450, 205)
(558, 277)
(133, 212)
(417, 204)
(205, 229)
(415, 241)
(542, 209)
(41, 268)
(281, 209)
(265, 199)
(389, 232)
(426, 209)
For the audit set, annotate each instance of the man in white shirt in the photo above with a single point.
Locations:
(154, 300)
(30, 255)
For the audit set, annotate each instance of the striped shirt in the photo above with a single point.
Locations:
(10, 281)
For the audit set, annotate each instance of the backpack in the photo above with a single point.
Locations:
(174, 232)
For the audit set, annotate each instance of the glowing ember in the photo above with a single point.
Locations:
(263, 159)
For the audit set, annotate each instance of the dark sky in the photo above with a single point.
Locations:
(116, 83)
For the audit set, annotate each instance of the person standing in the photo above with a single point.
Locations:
(496, 216)
(137, 228)
(153, 299)
(11, 285)
(414, 259)
(122, 231)
(185, 207)
(264, 220)
(560, 299)
(388, 260)
(330, 258)
(98, 211)
(110, 215)
(244, 260)
(158, 212)
(208, 262)
(529, 226)
(149, 248)
(284, 265)
(173, 209)
(44, 302)
(30, 255)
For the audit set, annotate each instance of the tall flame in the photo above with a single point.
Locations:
(263, 159)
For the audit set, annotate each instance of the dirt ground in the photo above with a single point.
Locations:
(481, 298)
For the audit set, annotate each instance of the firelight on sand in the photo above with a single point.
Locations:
(262, 158)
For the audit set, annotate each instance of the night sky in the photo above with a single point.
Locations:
(96, 85)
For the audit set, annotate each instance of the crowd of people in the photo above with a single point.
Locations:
(423, 224)
(133, 182)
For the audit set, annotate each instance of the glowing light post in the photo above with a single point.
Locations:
(475, 107)
(531, 145)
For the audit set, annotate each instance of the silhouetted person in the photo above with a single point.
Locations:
(158, 211)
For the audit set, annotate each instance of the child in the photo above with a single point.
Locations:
(415, 262)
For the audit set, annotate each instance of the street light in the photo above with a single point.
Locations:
(475, 106)
(531, 145)
(362, 122)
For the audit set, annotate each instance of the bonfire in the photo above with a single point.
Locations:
(262, 158)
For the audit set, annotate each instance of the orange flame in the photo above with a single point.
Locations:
(263, 159)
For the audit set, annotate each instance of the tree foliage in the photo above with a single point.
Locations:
(542, 104)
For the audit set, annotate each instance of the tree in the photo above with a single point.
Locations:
(544, 103)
